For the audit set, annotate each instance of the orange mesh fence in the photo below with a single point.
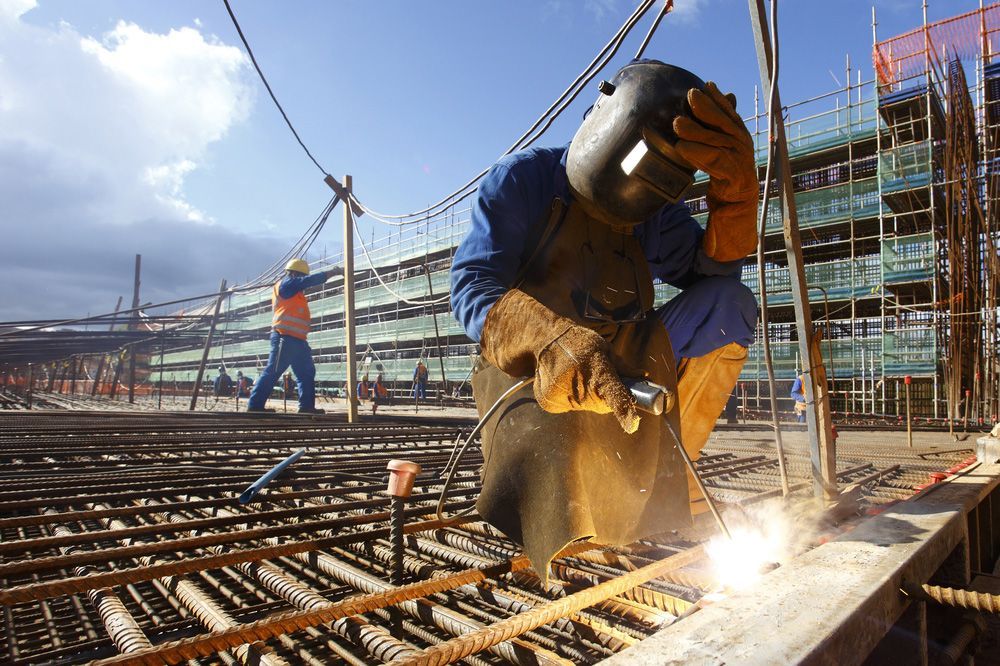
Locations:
(964, 36)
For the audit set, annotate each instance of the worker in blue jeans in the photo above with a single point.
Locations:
(289, 329)
(420, 381)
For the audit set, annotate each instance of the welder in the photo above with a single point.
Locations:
(555, 282)
(289, 329)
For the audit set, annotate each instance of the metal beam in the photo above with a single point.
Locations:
(132, 325)
(821, 444)
(208, 346)
(349, 340)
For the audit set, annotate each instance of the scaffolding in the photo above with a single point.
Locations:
(897, 184)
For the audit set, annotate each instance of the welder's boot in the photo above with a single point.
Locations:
(704, 385)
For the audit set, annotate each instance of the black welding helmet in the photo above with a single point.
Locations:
(621, 165)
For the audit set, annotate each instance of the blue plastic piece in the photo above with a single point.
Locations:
(272, 474)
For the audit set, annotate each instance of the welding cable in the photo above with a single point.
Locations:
(761, 277)
(439, 512)
(267, 85)
(371, 265)
(668, 6)
(526, 139)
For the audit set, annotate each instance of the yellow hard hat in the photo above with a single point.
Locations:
(298, 265)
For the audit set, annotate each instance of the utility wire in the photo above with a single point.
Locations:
(267, 85)
(527, 138)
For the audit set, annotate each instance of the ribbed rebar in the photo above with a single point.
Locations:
(959, 598)
(477, 641)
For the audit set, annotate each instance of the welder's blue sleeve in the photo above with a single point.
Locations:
(513, 196)
(671, 241)
(293, 285)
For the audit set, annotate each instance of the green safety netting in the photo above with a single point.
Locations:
(906, 167)
(908, 258)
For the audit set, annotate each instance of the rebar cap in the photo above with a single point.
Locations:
(402, 473)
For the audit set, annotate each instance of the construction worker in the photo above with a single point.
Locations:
(363, 389)
(420, 381)
(243, 384)
(799, 396)
(287, 384)
(223, 383)
(380, 394)
(289, 329)
(555, 282)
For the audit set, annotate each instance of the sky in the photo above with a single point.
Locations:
(140, 127)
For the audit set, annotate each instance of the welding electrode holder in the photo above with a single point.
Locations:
(649, 397)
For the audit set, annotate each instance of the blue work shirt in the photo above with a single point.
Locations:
(293, 284)
(515, 195)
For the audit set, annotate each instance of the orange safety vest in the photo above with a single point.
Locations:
(291, 315)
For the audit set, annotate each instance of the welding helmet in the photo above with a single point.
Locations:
(298, 265)
(621, 165)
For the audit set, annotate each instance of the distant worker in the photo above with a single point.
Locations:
(363, 389)
(243, 384)
(555, 282)
(287, 384)
(289, 329)
(380, 394)
(799, 396)
(420, 381)
(223, 383)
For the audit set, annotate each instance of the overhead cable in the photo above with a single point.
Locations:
(530, 135)
(267, 85)
(371, 264)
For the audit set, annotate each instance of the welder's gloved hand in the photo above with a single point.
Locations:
(720, 145)
(522, 337)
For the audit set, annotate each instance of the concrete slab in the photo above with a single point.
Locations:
(988, 449)
(833, 604)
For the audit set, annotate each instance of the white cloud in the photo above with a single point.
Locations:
(687, 11)
(132, 103)
(97, 136)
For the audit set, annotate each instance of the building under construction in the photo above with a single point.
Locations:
(898, 200)
(136, 535)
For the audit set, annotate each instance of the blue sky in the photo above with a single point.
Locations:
(106, 152)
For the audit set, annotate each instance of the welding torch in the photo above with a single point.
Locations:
(659, 400)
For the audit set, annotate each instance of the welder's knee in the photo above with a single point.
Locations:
(710, 314)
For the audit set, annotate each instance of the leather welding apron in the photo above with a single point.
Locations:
(551, 479)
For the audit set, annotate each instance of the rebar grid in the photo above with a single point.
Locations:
(121, 539)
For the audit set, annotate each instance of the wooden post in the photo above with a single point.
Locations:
(74, 364)
(52, 379)
(909, 422)
(132, 326)
(818, 418)
(100, 365)
(349, 341)
(159, 383)
(208, 346)
(116, 377)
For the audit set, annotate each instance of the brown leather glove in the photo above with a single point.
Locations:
(720, 145)
(522, 337)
